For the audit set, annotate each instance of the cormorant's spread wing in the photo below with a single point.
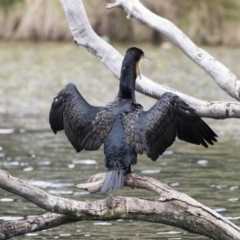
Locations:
(86, 126)
(156, 129)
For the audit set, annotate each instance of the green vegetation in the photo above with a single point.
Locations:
(9, 5)
(210, 22)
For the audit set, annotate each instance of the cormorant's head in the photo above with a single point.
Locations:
(133, 57)
(134, 54)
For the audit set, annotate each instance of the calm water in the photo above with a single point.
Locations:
(31, 74)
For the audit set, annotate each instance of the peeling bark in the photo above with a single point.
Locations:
(172, 208)
(33, 224)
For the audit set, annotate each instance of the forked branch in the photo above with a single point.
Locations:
(172, 208)
(84, 35)
(223, 77)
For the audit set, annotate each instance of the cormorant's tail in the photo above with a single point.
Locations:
(113, 180)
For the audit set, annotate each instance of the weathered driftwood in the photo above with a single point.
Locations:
(85, 36)
(38, 223)
(224, 78)
(172, 208)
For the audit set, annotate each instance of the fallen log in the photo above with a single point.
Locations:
(172, 208)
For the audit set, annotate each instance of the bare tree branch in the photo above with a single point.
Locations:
(224, 78)
(38, 223)
(173, 208)
(85, 36)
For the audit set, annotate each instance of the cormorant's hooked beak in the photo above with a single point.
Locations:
(138, 65)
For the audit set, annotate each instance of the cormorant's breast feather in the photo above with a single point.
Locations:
(155, 130)
(86, 126)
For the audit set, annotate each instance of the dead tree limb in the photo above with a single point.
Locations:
(33, 224)
(223, 77)
(84, 35)
(173, 208)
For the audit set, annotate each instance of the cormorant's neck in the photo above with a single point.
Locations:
(127, 81)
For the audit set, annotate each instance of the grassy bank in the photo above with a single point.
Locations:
(210, 22)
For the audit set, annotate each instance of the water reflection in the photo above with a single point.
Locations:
(150, 171)
(6, 131)
(30, 151)
(6, 200)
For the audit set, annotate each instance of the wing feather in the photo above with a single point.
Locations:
(86, 126)
(158, 127)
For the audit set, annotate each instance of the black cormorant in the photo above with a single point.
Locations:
(123, 126)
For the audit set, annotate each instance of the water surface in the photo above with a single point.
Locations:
(31, 74)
